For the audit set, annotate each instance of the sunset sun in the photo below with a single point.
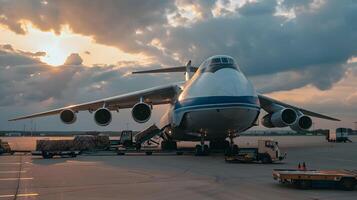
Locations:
(55, 55)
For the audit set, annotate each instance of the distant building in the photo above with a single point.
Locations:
(13, 134)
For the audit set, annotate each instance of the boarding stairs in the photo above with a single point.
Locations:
(147, 135)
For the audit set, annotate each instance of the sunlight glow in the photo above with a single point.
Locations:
(59, 46)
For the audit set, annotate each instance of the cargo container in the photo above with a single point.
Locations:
(339, 135)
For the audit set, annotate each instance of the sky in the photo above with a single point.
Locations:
(57, 53)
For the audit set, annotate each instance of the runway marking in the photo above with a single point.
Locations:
(14, 163)
(15, 179)
(19, 195)
(12, 172)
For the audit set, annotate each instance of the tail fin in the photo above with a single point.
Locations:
(188, 69)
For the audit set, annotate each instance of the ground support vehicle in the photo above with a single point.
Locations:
(338, 135)
(49, 148)
(140, 142)
(5, 148)
(267, 152)
(305, 179)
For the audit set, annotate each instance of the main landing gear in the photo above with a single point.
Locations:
(202, 149)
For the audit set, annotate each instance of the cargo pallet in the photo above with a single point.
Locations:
(306, 179)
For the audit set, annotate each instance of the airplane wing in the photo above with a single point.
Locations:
(267, 103)
(153, 96)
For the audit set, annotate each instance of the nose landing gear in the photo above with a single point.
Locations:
(202, 149)
(233, 149)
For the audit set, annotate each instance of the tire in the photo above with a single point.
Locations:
(179, 153)
(347, 184)
(148, 153)
(73, 155)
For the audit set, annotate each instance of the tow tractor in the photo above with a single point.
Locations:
(305, 179)
(267, 152)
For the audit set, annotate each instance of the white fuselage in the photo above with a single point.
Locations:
(218, 100)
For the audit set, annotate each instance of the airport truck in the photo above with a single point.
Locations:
(338, 135)
(5, 148)
(267, 152)
(305, 179)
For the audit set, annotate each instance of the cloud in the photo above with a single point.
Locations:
(74, 59)
(320, 36)
(28, 80)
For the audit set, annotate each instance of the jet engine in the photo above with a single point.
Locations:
(282, 118)
(103, 117)
(141, 112)
(68, 116)
(302, 123)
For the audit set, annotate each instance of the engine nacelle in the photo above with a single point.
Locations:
(141, 112)
(302, 123)
(282, 118)
(103, 117)
(68, 116)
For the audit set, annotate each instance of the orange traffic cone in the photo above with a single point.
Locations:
(304, 166)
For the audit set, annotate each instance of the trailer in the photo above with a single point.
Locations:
(267, 152)
(306, 179)
(50, 148)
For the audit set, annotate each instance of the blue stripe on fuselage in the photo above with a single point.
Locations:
(217, 101)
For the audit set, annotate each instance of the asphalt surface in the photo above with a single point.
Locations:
(167, 176)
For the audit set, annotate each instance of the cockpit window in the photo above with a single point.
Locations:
(216, 61)
(230, 61)
(224, 60)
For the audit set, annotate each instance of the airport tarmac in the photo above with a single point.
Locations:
(168, 176)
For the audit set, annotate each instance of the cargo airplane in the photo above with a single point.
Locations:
(215, 102)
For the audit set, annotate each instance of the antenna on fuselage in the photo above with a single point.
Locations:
(188, 73)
